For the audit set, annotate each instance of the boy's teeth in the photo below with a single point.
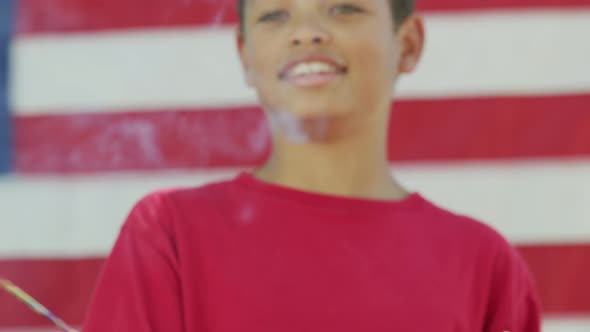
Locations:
(311, 68)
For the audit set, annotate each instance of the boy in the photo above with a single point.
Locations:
(321, 238)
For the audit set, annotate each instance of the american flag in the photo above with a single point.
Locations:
(102, 101)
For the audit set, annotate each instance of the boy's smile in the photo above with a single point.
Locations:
(312, 70)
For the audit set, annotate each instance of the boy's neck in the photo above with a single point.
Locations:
(353, 165)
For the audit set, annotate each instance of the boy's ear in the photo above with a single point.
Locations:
(412, 37)
(240, 43)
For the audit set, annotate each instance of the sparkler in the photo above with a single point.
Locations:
(34, 305)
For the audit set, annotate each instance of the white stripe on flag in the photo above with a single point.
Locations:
(557, 324)
(79, 216)
(471, 54)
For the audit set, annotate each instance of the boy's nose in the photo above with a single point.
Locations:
(308, 35)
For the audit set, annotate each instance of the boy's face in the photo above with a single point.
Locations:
(325, 57)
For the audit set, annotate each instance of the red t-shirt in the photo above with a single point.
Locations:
(244, 255)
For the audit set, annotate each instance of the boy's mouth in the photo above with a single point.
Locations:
(312, 71)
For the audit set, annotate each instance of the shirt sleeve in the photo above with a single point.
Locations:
(513, 301)
(139, 289)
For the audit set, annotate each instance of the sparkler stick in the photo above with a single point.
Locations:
(34, 305)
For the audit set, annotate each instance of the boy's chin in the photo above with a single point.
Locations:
(312, 125)
(316, 111)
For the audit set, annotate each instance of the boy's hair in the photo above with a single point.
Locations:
(400, 10)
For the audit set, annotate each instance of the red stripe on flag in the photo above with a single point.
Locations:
(50, 16)
(66, 286)
(63, 286)
(420, 130)
(140, 141)
(562, 273)
(491, 128)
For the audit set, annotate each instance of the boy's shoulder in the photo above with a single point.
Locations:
(161, 208)
(213, 192)
(456, 227)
